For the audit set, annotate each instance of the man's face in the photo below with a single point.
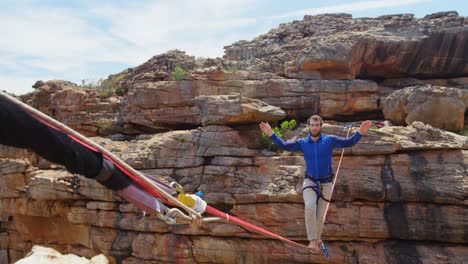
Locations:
(315, 128)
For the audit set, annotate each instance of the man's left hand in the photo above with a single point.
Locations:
(365, 127)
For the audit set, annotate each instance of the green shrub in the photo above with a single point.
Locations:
(178, 74)
(104, 126)
(104, 93)
(284, 128)
(464, 132)
(232, 69)
(106, 87)
(120, 91)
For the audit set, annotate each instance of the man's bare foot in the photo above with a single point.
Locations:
(313, 245)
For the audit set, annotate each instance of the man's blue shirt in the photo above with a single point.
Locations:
(317, 154)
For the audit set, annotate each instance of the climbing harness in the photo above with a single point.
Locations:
(318, 187)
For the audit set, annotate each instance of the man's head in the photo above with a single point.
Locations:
(315, 125)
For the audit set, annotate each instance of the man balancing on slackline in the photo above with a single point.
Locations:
(317, 149)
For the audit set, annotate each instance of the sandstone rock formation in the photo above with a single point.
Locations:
(162, 106)
(441, 107)
(336, 46)
(84, 110)
(409, 187)
(401, 193)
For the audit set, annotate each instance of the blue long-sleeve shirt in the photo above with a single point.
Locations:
(318, 154)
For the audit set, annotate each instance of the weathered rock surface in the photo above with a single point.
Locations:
(86, 111)
(409, 189)
(336, 46)
(235, 109)
(166, 104)
(440, 107)
(401, 195)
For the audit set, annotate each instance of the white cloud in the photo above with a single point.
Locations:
(63, 42)
(160, 26)
(17, 85)
(348, 8)
(54, 40)
(59, 34)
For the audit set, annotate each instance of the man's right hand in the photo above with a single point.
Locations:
(266, 128)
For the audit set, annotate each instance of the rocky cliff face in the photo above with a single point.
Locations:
(336, 46)
(401, 193)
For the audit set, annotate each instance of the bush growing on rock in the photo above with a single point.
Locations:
(280, 131)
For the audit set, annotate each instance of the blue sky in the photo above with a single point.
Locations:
(76, 40)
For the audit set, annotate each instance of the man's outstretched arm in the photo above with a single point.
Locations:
(339, 142)
(289, 146)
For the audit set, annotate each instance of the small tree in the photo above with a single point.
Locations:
(178, 74)
(284, 128)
